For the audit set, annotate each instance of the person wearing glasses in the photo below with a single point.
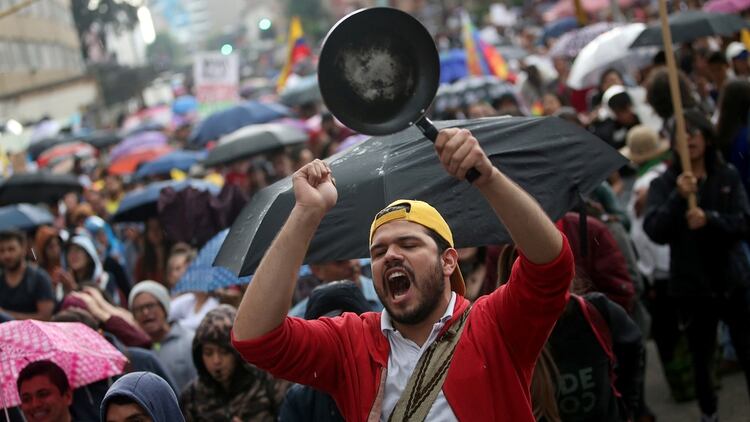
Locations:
(149, 302)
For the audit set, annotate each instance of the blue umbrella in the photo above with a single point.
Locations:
(453, 65)
(202, 276)
(557, 28)
(181, 160)
(184, 104)
(23, 217)
(229, 120)
(140, 204)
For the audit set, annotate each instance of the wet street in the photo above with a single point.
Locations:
(733, 403)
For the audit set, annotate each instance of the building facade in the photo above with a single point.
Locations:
(40, 54)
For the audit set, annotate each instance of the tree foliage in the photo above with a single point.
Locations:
(165, 52)
(315, 19)
(97, 16)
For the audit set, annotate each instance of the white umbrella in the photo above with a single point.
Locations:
(609, 50)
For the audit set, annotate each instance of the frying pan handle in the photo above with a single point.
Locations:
(430, 131)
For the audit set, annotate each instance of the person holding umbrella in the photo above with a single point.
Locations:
(429, 355)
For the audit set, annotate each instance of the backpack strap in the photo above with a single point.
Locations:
(603, 335)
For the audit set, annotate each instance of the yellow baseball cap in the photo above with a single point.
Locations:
(424, 214)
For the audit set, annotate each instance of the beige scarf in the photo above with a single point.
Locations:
(428, 376)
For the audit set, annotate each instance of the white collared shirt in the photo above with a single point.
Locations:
(401, 362)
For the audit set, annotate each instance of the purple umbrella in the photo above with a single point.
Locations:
(137, 141)
(726, 6)
(571, 43)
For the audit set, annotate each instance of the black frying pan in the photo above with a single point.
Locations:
(379, 71)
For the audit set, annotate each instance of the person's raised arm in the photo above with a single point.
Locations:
(267, 299)
(532, 231)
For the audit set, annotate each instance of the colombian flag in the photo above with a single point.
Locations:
(745, 38)
(297, 50)
(481, 57)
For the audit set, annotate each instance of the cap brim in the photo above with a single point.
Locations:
(457, 282)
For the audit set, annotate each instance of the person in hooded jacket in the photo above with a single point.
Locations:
(84, 266)
(111, 252)
(227, 387)
(141, 397)
(702, 241)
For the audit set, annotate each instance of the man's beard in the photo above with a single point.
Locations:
(428, 294)
(13, 266)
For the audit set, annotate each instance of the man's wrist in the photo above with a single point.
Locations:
(308, 214)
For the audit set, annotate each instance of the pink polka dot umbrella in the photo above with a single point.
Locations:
(83, 354)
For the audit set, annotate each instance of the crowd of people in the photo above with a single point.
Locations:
(554, 325)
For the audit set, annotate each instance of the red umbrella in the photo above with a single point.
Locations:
(128, 164)
(564, 8)
(62, 151)
(159, 114)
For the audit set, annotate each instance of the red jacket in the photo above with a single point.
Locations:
(491, 369)
(604, 266)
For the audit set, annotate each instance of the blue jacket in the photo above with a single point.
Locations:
(151, 392)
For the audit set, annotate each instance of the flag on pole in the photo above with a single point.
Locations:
(297, 50)
(581, 16)
(481, 57)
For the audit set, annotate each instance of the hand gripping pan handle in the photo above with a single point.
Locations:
(430, 131)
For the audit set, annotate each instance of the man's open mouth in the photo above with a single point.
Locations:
(399, 282)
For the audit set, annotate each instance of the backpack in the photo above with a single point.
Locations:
(603, 335)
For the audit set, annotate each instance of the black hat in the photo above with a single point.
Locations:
(336, 298)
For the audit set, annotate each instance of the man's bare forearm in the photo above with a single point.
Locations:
(528, 225)
(269, 295)
(40, 316)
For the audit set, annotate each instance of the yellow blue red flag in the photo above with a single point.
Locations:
(297, 50)
(482, 58)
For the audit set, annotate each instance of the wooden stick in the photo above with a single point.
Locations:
(674, 88)
(15, 8)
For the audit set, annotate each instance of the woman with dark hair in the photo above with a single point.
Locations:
(659, 97)
(701, 243)
(734, 111)
(152, 262)
(609, 78)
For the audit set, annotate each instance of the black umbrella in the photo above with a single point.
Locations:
(38, 147)
(101, 139)
(304, 91)
(689, 25)
(552, 159)
(23, 217)
(37, 187)
(253, 140)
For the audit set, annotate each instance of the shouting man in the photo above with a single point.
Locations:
(429, 355)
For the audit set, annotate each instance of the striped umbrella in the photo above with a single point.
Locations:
(69, 149)
(128, 164)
